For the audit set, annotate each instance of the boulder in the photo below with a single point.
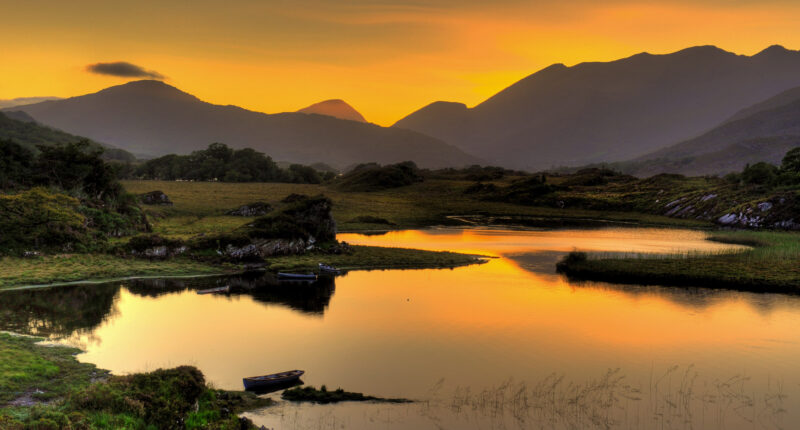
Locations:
(155, 198)
(251, 210)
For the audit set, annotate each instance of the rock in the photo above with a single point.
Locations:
(31, 254)
(765, 206)
(251, 210)
(708, 197)
(727, 219)
(155, 198)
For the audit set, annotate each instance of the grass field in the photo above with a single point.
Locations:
(16, 271)
(199, 207)
(772, 265)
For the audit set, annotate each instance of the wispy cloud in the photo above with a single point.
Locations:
(123, 69)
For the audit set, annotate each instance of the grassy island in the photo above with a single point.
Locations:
(772, 265)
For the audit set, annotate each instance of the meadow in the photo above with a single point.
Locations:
(199, 207)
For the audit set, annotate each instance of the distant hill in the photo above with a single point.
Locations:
(611, 111)
(762, 132)
(7, 103)
(20, 128)
(153, 118)
(335, 108)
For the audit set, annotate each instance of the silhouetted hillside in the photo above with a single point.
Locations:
(151, 117)
(762, 132)
(601, 112)
(20, 128)
(335, 108)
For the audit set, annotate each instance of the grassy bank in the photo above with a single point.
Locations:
(44, 387)
(50, 269)
(374, 257)
(199, 207)
(83, 267)
(773, 265)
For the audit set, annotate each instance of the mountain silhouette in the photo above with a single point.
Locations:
(335, 108)
(762, 132)
(609, 111)
(152, 118)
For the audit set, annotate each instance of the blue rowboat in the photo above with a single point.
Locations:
(297, 276)
(274, 380)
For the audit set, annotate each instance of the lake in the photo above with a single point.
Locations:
(504, 344)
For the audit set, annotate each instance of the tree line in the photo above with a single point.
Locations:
(221, 163)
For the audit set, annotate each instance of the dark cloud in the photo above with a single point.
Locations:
(123, 69)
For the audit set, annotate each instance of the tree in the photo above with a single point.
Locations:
(760, 174)
(791, 161)
(77, 168)
(15, 165)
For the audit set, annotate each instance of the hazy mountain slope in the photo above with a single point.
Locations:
(335, 108)
(30, 134)
(599, 112)
(766, 134)
(782, 99)
(7, 103)
(151, 117)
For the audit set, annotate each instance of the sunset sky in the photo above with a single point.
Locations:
(385, 57)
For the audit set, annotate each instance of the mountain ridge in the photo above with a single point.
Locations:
(610, 111)
(154, 118)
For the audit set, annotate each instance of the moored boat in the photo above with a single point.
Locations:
(297, 276)
(275, 379)
(324, 268)
(219, 290)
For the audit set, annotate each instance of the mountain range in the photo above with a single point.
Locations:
(151, 118)
(609, 111)
(762, 132)
(336, 108)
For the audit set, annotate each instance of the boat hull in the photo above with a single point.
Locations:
(277, 380)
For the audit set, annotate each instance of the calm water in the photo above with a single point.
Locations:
(505, 344)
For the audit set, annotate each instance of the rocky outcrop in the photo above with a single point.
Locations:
(155, 198)
(251, 210)
(155, 247)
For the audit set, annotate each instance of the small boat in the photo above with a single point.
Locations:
(219, 290)
(276, 379)
(324, 268)
(297, 276)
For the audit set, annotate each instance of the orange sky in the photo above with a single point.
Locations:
(385, 57)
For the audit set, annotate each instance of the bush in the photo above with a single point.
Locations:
(40, 218)
(373, 177)
(760, 174)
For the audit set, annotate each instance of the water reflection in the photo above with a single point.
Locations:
(58, 312)
(508, 323)
(73, 311)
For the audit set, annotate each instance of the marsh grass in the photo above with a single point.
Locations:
(772, 264)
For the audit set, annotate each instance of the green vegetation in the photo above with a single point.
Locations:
(311, 394)
(373, 257)
(200, 207)
(63, 198)
(23, 130)
(80, 396)
(221, 163)
(15, 271)
(374, 177)
(773, 265)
